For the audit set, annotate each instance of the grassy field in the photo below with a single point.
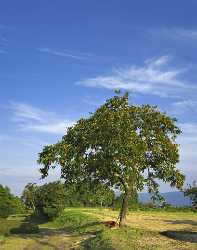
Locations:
(82, 228)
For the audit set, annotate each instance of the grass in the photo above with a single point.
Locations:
(82, 228)
(153, 230)
(7, 225)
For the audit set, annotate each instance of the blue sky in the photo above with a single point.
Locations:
(59, 60)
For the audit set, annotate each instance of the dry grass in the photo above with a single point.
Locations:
(161, 230)
(147, 230)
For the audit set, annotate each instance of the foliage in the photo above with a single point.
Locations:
(29, 196)
(25, 228)
(133, 202)
(192, 193)
(48, 199)
(9, 204)
(116, 146)
(94, 194)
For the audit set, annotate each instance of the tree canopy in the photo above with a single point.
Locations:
(120, 145)
(9, 204)
(50, 199)
(192, 193)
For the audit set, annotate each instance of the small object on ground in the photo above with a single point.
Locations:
(109, 223)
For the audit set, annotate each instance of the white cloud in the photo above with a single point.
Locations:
(24, 111)
(56, 128)
(185, 103)
(183, 106)
(154, 78)
(30, 118)
(63, 53)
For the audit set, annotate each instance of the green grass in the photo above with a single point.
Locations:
(82, 228)
(7, 225)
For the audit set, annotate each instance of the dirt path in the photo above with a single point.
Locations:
(47, 239)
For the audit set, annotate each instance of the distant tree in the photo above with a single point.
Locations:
(133, 202)
(29, 196)
(118, 145)
(94, 194)
(9, 204)
(51, 199)
(192, 193)
(48, 199)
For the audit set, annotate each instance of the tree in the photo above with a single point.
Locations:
(133, 202)
(94, 194)
(29, 196)
(192, 193)
(120, 145)
(52, 197)
(9, 204)
(48, 199)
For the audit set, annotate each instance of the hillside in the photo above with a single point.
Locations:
(173, 198)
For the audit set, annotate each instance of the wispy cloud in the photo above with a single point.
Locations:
(180, 33)
(192, 34)
(183, 106)
(27, 141)
(2, 51)
(189, 131)
(155, 77)
(63, 53)
(188, 143)
(93, 101)
(33, 119)
(4, 138)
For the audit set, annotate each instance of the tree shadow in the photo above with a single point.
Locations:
(37, 219)
(43, 236)
(29, 229)
(29, 225)
(188, 222)
(186, 236)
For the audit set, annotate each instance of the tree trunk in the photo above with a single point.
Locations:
(124, 209)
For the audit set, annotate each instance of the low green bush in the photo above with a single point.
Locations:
(25, 228)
